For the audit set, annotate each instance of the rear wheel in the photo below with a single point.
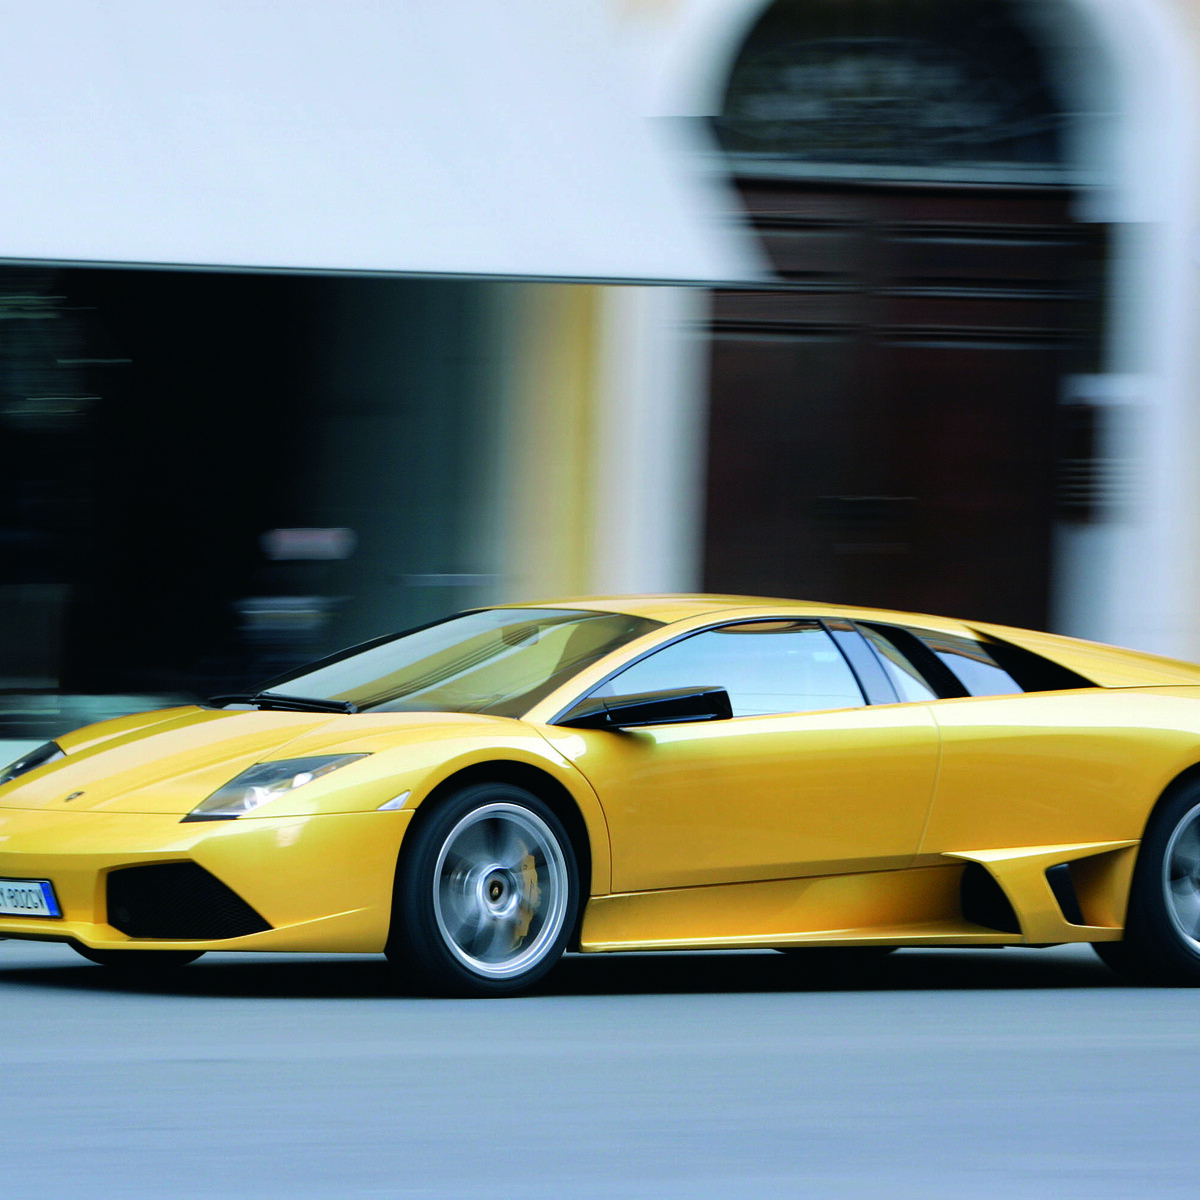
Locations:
(487, 894)
(1162, 926)
(139, 960)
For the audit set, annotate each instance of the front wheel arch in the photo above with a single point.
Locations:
(545, 787)
(426, 940)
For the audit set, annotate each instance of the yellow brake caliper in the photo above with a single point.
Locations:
(531, 895)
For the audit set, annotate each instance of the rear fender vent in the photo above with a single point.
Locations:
(984, 902)
(178, 901)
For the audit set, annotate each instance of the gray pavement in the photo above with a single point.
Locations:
(981, 1074)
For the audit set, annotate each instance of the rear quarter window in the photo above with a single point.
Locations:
(972, 665)
(924, 664)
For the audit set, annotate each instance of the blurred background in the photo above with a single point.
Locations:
(320, 321)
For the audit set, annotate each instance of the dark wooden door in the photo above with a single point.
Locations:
(882, 425)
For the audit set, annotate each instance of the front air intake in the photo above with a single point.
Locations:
(178, 901)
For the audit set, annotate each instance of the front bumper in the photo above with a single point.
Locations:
(323, 883)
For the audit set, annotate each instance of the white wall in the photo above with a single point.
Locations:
(1132, 578)
(652, 434)
(457, 137)
(651, 440)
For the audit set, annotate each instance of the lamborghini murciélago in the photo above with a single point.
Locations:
(477, 796)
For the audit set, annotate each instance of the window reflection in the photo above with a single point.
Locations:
(766, 667)
(905, 678)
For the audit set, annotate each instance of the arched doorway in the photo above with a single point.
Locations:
(885, 425)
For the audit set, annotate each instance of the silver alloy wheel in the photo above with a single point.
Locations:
(500, 890)
(1181, 878)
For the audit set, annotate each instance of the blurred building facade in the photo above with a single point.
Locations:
(977, 389)
(304, 337)
(882, 301)
(972, 385)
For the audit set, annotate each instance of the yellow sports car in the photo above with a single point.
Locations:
(479, 795)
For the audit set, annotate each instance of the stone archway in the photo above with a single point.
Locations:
(884, 425)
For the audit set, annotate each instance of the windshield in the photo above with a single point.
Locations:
(500, 661)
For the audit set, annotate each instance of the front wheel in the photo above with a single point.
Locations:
(1162, 926)
(139, 960)
(486, 894)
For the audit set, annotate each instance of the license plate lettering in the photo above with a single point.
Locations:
(28, 898)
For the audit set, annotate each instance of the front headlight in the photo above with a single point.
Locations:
(35, 758)
(263, 783)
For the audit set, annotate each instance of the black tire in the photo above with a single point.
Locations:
(486, 896)
(139, 960)
(1160, 945)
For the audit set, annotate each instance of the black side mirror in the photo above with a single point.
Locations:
(675, 707)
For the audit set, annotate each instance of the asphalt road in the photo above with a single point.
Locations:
(940, 1074)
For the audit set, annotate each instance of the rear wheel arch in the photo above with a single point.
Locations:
(1151, 951)
(1186, 778)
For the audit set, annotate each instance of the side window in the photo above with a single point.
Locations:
(909, 683)
(766, 667)
(971, 665)
(864, 662)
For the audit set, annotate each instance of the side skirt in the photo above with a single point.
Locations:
(916, 907)
(920, 906)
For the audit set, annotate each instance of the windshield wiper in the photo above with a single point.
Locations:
(274, 700)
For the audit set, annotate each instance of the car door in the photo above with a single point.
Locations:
(805, 779)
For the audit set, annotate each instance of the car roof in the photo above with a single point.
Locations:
(682, 607)
(1108, 666)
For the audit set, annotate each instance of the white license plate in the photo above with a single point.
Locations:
(28, 898)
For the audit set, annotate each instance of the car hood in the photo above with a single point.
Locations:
(167, 762)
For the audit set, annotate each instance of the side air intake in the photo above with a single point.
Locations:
(984, 902)
(178, 902)
(1063, 887)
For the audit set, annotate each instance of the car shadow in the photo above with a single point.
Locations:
(908, 970)
(719, 973)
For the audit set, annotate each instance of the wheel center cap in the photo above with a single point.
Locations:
(498, 892)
